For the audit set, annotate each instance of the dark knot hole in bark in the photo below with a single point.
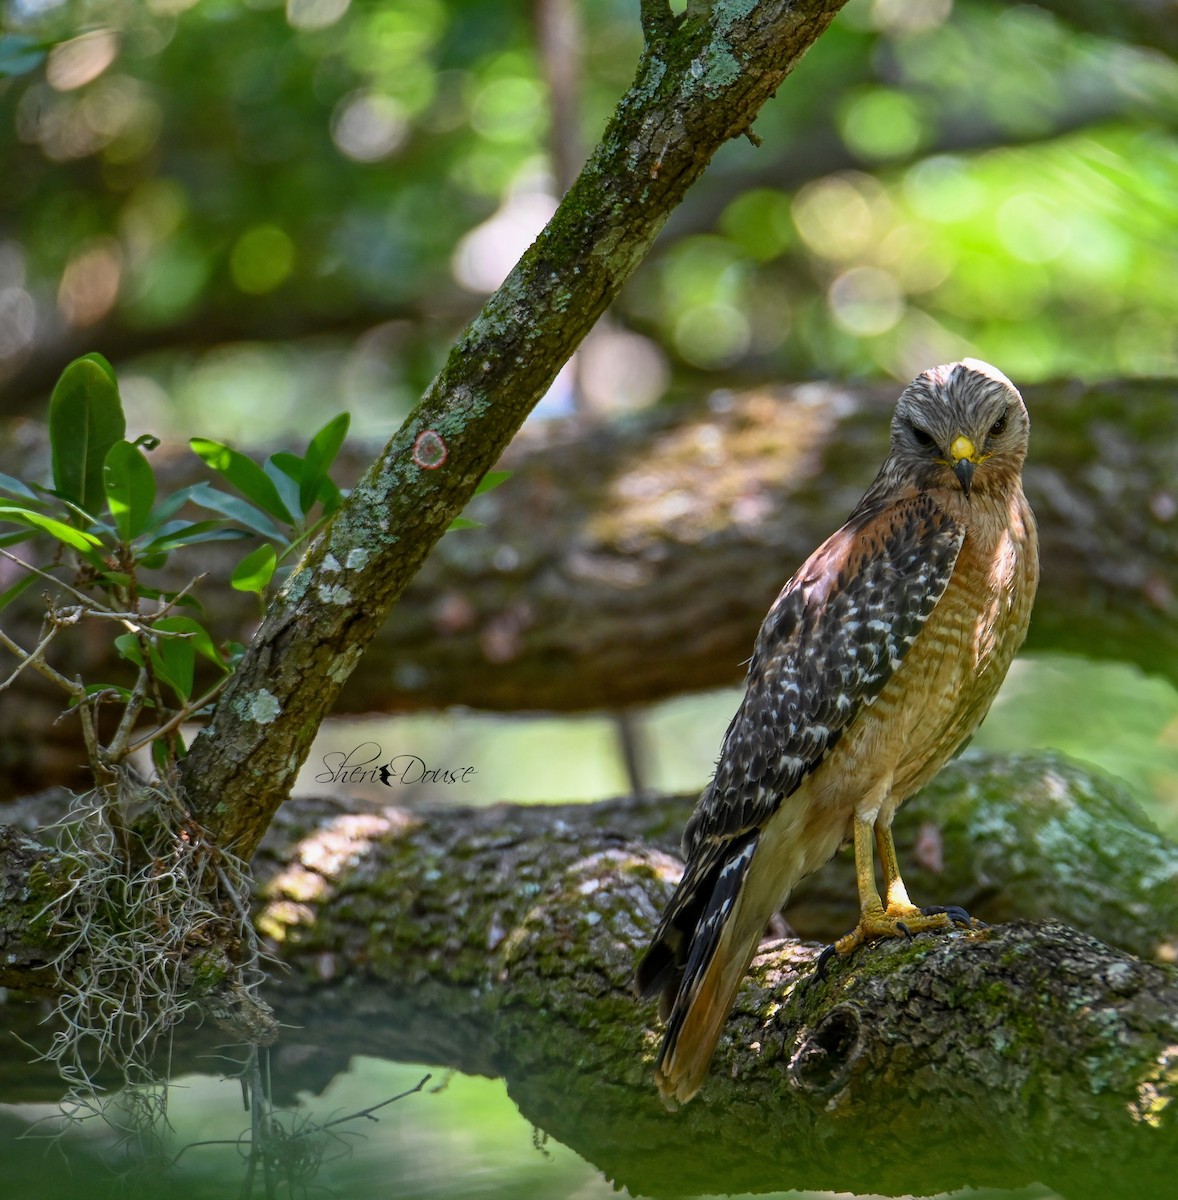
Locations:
(822, 1063)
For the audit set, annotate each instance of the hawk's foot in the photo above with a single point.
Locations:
(897, 920)
(902, 920)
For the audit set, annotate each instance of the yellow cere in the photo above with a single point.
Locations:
(961, 448)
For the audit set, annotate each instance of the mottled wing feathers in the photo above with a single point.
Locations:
(838, 631)
(836, 634)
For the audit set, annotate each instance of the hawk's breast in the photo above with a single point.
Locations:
(946, 684)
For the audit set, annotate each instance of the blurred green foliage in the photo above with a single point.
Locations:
(251, 205)
(288, 197)
(460, 1137)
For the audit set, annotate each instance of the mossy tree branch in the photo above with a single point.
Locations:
(501, 941)
(693, 91)
(1032, 1051)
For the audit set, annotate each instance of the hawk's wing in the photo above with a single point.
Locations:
(835, 635)
(837, 632)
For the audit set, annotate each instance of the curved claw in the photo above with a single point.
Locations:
(954, 912)
(820, 966)
(904, 930)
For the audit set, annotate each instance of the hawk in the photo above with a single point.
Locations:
(876, 663)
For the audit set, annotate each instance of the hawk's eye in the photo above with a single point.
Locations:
(922, 436)
(999, 426)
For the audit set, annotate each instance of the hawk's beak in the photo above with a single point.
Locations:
(965, 460)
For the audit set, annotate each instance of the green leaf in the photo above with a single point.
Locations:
(245, 475)
(463, 523)
(253, 573)
(329, 496)
(76, 538)
(198, 637)
(85, 420)
(10, 594)
(173, 659)
(191, 533)
(289, 464)
(14, 487)
(288, 491)
(321, 453)
(127, 644)
(130, 488)
(492, 479)
(174, 662)
(170, 505)
(207, 496)
(84, 519)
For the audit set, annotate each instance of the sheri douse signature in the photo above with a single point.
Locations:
(367, 764)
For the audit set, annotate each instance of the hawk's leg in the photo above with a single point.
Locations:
(897, 893)
(901, 917)
(894, 890)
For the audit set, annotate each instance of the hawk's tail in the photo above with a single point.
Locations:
(697, 960)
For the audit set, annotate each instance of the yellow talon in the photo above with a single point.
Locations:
(901, 917)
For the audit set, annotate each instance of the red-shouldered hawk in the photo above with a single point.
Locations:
(877, 661)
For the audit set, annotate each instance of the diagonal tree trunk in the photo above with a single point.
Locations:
(699, 82)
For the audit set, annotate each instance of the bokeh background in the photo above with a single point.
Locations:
(267, 211)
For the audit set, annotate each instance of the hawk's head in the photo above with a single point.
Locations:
(962, 425)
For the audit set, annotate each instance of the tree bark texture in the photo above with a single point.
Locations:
(501, 941)
(632, 561)
(698, 84)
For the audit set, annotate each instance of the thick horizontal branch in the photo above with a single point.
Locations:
(633, 561)
(508, 949)
(501, 941)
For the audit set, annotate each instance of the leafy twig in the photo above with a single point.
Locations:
(183, 715)
(39, 665)
(88, 601)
